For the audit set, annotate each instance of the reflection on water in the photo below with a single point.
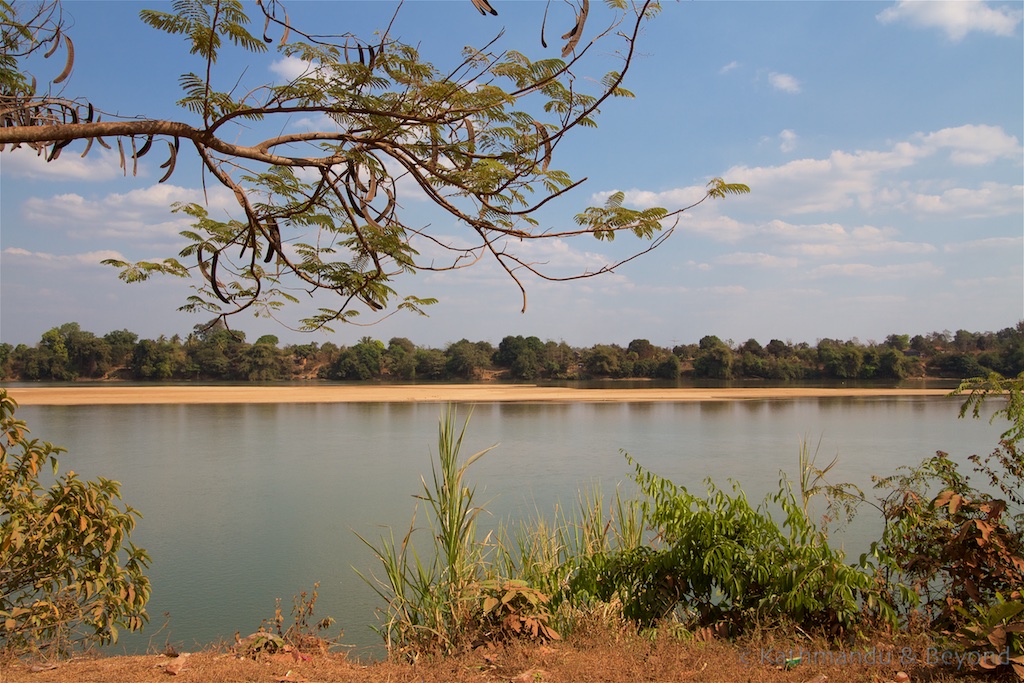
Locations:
(247, 503)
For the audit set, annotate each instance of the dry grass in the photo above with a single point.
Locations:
(596, 656)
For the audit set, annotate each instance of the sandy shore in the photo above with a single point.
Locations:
(420, 393)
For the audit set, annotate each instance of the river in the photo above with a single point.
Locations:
(245, 503)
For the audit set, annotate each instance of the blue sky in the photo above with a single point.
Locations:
(881, 142)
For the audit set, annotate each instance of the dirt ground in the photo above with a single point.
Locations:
(589, 658)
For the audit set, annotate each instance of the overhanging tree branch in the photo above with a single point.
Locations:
(319, 209)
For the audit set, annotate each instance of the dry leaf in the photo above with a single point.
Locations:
(174, 668)
(291, 677)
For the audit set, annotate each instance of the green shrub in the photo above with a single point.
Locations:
(68, 573)
(720, 560)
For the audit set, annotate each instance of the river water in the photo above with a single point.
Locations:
(243, 504)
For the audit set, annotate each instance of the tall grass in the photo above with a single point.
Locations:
(430, 598)
(546, 551)
(462, 589)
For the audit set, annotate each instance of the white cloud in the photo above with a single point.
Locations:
(988, 243)
(813, 185)
(991, 199)
(725, 290)
(729, 67)
(832, 240)
(291, 68)
(845, 188)
(787, 140)
(91, 258)
(867, 271)
(988, 283)
(956, 17)
(675, 198)
(143, 214)
(100, 164)
(784, 82)
(974, 145)
(759, 259)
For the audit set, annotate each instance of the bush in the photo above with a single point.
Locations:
(719, 560)
(68, 573)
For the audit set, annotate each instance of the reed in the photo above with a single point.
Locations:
(431, 599)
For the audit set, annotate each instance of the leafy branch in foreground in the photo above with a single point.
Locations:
(320, 210)
(68, 573)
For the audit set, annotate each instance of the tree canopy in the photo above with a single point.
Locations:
(320, 210)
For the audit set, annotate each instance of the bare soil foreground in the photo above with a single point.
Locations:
(599, 656)
(420, 393)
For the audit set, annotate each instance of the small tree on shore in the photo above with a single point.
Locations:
(68, 573)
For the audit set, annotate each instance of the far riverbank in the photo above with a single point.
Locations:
(433, 393)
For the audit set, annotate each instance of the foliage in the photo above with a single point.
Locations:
(319, 210)
(547, 552)
(719, 560)
(512, 609)
(212, 351)
(953, 551)
(994, 384)
(304, 634)
(996, 633)
(432, 601)
(68, 573)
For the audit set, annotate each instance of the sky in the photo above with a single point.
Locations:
(881, 142)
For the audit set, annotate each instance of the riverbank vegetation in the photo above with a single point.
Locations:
(68, 353)
(703, 575)
(949, 564)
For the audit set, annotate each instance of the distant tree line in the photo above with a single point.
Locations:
(214, 352)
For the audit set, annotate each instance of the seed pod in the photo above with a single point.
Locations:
(371, 191)
(353, 202)
(372, 59)
(273, 239)
(169, 164)
(266, 25)
(470, 142)
(484, 7)
(57, 147)
(88, 146)
(202, 264)
(547, 145)
(135, 159)
(543, 24)
(362, 56)
(145, 147)
(574, 35)
(69, 64)
(213, 277)
(88, 116)
(287, 30)
(56, 44)
(120, 150)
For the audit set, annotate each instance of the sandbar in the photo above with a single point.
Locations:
(427, 393)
